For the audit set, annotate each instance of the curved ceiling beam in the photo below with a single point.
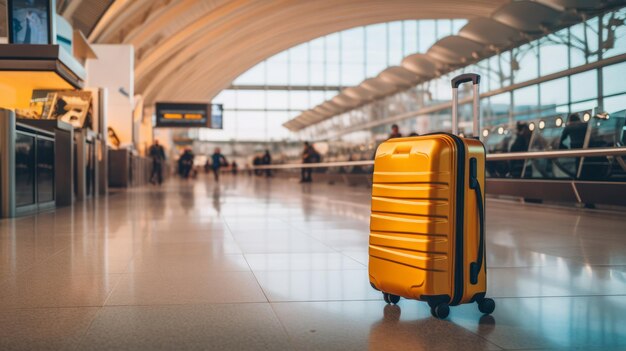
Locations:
(241, 47)
(116, 10)
(358, 93)
(167, 20)
(527, 16)
(490, 32)
(378, 86)
(193, 71)
(455, 49)
(196, 80)
(225, 21)
(345, 101)
(578, 5)
(154, 23)
(209, 37)
(113, 24)
(421, 64)
(399, 76)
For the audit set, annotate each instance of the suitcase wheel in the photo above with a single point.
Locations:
(440, 311)
(390, 298)
(486, 305)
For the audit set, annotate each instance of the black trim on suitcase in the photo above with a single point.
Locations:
(459, 223)
(478, 297)
(434, 300)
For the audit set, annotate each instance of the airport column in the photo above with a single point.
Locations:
(7, 163)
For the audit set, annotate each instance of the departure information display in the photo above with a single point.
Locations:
(183, 115)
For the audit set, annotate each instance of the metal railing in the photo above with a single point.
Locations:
(599, 152)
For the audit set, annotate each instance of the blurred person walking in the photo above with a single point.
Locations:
(157, 153)
(309, 155)
(218, 161)
(185, 163)
(266, 161)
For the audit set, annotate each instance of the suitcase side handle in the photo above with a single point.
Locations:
(464, 78)
(475, 267)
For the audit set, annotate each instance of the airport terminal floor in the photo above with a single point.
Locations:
(270, 264)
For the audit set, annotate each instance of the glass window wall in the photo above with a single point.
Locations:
(553, 53)
(283, 86)
(584, 86)
(569, 49)
(613, 79)
(554, 96)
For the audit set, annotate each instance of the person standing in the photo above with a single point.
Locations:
(234, 167)
(267, 160)
(308, 156)
(395, 132)
(575, 130)
(520, 144)
(257, 161)
(157, 153)
(219, 161)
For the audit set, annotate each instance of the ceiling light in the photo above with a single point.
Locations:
(485, 132)
(586, 116)
(542, 124)
(531, 126)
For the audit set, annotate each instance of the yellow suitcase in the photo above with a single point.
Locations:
(427, 222)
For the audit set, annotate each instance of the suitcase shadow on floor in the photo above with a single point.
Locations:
(392, 332)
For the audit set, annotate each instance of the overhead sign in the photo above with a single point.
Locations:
(183, 115)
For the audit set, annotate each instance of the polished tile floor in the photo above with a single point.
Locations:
(257, 264)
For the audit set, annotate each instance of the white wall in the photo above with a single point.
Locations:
(114, 69)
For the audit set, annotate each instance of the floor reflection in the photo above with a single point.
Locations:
(187, 200)
(158, 201)
(217, 204)
(393, 332)
(287, 263)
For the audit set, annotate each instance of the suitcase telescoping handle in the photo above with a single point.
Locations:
(456, 82)
(475, 267)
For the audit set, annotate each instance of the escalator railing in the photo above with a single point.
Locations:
(579, 131)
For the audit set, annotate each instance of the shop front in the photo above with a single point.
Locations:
(52, 146)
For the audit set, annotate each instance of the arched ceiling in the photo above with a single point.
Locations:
(190, 50)
(510, 25)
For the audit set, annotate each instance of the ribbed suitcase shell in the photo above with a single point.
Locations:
(424, 227)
